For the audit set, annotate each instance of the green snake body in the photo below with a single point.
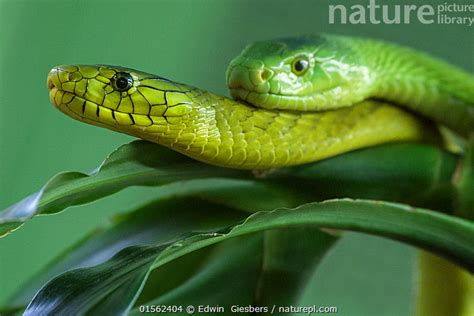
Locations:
(346, 70)
(283, 124)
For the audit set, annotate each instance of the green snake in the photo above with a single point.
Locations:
(296, 100)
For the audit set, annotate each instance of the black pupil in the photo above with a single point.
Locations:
(300, 65)
(123, 81)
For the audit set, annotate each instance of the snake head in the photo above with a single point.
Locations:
(304, 73)
(117, 98)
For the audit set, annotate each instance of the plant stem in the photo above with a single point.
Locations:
(443, 288)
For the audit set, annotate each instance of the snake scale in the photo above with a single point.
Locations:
(296, 100)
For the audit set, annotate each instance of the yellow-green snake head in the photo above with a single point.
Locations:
(301, 73)
(121, 99)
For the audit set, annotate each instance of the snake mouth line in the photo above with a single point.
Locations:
(242, 91)
(63, 107)
(80, 114)
(271, 101)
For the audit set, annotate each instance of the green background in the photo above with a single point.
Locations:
(187, 41)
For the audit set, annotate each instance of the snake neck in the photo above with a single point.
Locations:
(421, 83)
(227, 133)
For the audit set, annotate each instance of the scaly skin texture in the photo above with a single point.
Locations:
(218, 130)
(343, 71)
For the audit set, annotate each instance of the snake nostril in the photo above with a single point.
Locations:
(265, 74)
(51, 84)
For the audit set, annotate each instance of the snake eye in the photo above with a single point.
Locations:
(122, 81)
(300, 65)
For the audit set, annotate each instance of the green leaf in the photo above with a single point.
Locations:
(229, 276)
(447, 236)
(113, 285)
(138, 163)
(464, 181)
(393, 172)
(157, 222)
(275, 271)
(290, 257)
(162, 220)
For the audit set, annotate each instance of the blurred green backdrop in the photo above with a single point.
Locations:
(188, 41)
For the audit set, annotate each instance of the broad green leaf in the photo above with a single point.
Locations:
(138, 163)
(444, 235)
(157, 222)
(393, 172)
(275, 273)
(114, 285)
(464, 180)
(290, 257)
(229, 276)
(161, 220)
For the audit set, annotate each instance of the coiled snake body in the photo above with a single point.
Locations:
(297, 100)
